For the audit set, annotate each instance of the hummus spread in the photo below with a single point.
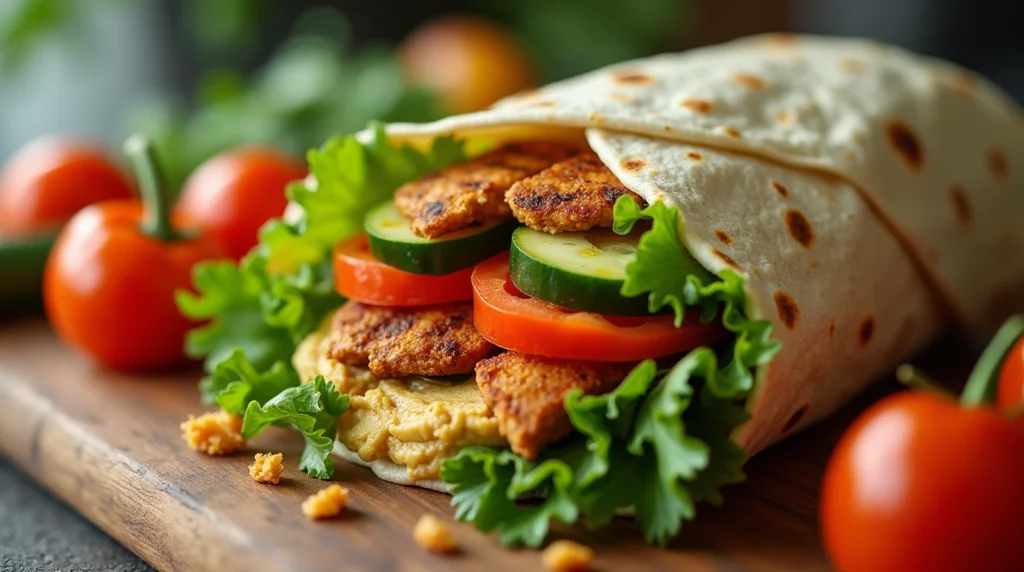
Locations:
(412, 422)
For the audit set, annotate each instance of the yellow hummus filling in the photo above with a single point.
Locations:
(412, 422)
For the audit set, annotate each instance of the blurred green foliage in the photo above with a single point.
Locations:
(309, 90)
(569, 37)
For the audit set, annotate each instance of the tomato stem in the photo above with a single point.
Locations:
(156, 213)
(983, 383)
(912, 377)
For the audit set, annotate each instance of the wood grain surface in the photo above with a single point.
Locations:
(110, 446)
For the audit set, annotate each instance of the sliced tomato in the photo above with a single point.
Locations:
(1011, 379)
(512, 320)
(359, 276)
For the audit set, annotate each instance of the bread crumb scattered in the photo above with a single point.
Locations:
(214, 433)
(327, 503)
(266, 468)
(567, 556)
(434, 535)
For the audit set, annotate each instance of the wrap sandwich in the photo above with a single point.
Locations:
(610, 292)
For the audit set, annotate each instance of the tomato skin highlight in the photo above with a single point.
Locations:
(513, 321)
(359, 276)
(1010, 395)
(46, 182)
(109, 288)
(918, 483)
(234, 193)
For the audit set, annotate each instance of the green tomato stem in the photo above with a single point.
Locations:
(912, 377)
(156, 204)
(983, 384)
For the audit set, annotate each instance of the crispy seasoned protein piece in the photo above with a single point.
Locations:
(214, 433)
(577, 194)
(266, 468)
(473, 192)
(567, 556)
(433, 534)
(526, 394)
(396, 342)
(326, 503)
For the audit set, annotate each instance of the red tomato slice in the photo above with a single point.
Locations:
(359, 276)
(512, 320)
(1011, 379)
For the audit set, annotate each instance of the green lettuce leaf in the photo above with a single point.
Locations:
(313, 410)
(657, 444)
(234, 383)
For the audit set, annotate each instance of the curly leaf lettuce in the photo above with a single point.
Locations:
(657, 444)
(313, 409)
(257, 311)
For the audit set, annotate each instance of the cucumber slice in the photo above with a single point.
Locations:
(395, 244)
(576, 270)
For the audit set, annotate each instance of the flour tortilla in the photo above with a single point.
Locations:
(868, 195)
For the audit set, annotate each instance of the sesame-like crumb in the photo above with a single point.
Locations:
(266, 468)
(214, 433)
(434, 535)
(567, 556)
(326, 503)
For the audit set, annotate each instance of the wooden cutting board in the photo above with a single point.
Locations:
(110, 446)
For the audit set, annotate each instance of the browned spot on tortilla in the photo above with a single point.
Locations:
(1007, 243)
(667, 128)
(632, 77)
(814, 265)
(788, 311)
(731, 132)
(750, 81)
(723, 237)
(831, 330)
(621, 97)
(696, 105)
(543, 103)
(850, 156)
(997, 163)
(959, 82)
(799, 227)
(781, 189)
(785, 116)
(633, 164)
(906, 143)
(961, 208)
(694, 156)
(866, 331)
(725, 258)
(796, 417)
(781, 41)
(596, 117)
(854, 67)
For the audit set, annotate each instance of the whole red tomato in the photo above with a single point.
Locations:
(110, 280)
(920, 483)
(234, 193)
(1011, 379)
(49, 180)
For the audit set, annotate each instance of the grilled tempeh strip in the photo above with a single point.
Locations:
(526, 394)
(396, 342)
(574, 195)
(474, 192)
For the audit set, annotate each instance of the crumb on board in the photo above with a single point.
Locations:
(567, 556)
(326, 503)
(266, 468)
(214, 433)
(432, 534)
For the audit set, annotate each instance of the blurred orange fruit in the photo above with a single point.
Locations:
(469, 62)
